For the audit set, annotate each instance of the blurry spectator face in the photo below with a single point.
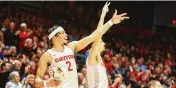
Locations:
(42, 44)
(5, 23)
(84, 71)
(35, 39)
(17, 65)
(80, 77)
(158, 70)
(5, 52)
(114, 59)
(132, 47)
(140, 61)
(11, 25)
(33, 57)
(31, 79)
(169, 70)
(16, 78)
(165, 72)
(28, 42)
(123, 59)
(133, 60)
(33, 66)
(109, 78)
(151, 67)
(106, 57)
(46, 77)
(161, 66)
(23, 27)
(14, 51)
(168, 55)
(166, 66)
(6, 67)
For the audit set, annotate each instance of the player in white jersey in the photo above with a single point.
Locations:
(96, 72)
(62, 56)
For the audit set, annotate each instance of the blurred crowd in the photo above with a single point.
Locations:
(131, 61)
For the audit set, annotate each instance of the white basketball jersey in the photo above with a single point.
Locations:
(96, 76)
(65, 60)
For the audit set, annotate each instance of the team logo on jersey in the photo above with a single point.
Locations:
(63, 58)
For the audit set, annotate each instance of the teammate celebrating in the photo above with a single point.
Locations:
(62, 56)
(96, 72)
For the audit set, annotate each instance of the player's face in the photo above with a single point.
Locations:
(102, 44)
(62, 37)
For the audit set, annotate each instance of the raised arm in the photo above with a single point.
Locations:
(79, 45)
(94, 51)
(43, 64)
(103, 14)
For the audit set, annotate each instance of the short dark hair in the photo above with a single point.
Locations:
(3, 64)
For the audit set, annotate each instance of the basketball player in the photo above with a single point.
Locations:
(62, 56)
(96, 72)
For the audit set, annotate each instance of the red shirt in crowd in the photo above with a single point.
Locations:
(109, 66)
(22, 37)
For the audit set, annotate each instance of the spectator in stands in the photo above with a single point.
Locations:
(28, 82)
(84, 72)
(29, 48)
(10, 38)
(154, 84)
(23, 34)
(14, 80)
(108, 64)
(80, 80)
(118, 82)
(6, 69)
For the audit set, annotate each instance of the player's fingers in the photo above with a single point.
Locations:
(115, 12)
(108, 3)
(125, 17)
(105, 3)
(123, 14)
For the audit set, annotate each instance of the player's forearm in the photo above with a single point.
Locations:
(103, 29)
(101, 21)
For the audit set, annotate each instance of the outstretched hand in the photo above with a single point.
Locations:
(105, 8)
(118, 18)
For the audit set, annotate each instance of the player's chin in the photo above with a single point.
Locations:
(65, 41)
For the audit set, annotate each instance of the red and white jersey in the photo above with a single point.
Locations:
(65, 60)
(96, 76)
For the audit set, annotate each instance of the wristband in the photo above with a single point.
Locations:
(110, 22)
(44, 83)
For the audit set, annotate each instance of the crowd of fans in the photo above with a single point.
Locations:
(137, 62)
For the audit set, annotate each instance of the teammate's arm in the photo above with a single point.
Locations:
(95, 46)
(103, 14)
(43, 64)
(79, 45)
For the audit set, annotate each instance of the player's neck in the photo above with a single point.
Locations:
(58, 48)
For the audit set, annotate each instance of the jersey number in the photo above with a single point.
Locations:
(69, 65)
